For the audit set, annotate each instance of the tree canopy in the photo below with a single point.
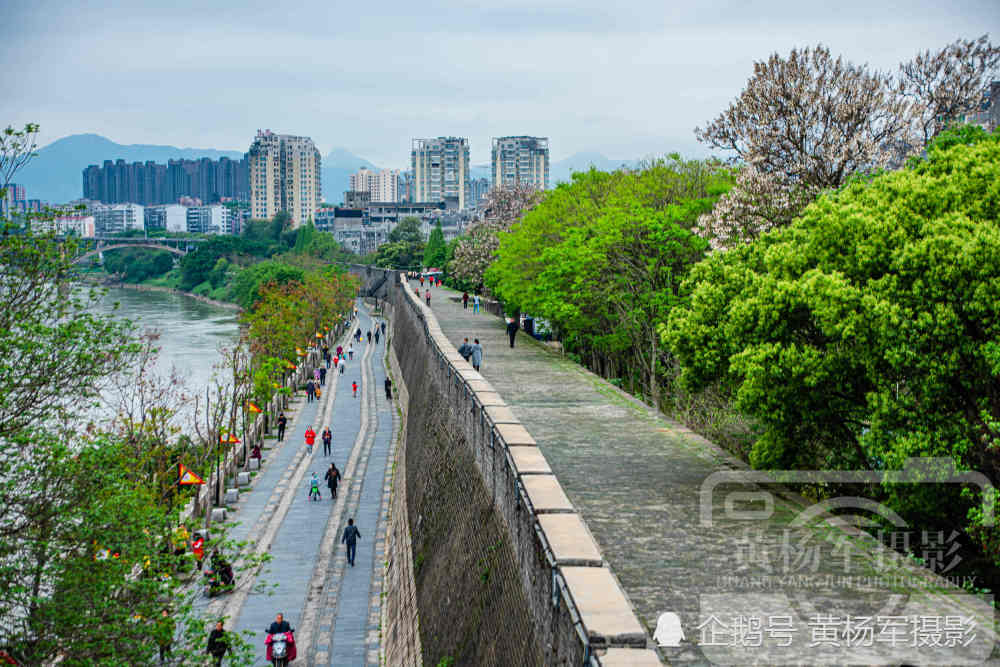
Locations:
(867, 331)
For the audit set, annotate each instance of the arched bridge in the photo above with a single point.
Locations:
(179, 247)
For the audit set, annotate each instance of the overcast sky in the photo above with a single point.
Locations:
(627, 78)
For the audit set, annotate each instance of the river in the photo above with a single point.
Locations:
(190, 330)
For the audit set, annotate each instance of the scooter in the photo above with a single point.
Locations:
(280, 648)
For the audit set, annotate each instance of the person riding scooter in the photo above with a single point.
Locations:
(280, 642)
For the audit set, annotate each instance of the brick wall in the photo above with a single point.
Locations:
(505, 571)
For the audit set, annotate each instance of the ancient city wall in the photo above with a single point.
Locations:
(505, 570)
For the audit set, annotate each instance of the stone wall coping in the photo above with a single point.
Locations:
(605, 611)
(478, 385)
(487, 398)
(529, 460)
(470, 374)
(514, 434)
(629, 657)
(570, 540)
(546, 494)
(501, 414)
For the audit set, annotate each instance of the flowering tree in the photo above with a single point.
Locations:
(802, 124)
(504, 206)
(809, 122)
(950, 83)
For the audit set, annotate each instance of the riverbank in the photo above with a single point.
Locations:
(160, 288)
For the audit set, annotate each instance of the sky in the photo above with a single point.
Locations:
(625, 79)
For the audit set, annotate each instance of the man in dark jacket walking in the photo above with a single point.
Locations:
(388, 389)
(217, 644)
(465, 349)
(512, 329)
(332, 479)
(282, 422)
(350, 538)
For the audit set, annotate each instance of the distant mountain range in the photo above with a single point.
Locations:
(55, 175)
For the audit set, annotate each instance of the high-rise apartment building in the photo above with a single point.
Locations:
(284, 176)
(479, 188)
(441, 170)
(149, 183)
(521, 161)
(381, 185)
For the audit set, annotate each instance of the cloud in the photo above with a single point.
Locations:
(627, 79)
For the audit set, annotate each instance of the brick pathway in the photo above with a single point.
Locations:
(637, 477)
(336, 614)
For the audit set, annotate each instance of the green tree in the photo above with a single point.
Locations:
(867, 332)
(436, 253)
(407, 231)
(245, 289)
(602, 260)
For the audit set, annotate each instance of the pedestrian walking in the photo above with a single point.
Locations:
(428, 297)
(369, 337)
(165, 634)
(332, 479)
(421, 281)
(282, 421)
(350, 351)
(350, 538)
(198, 549)
(383, 327)
(314, 488)
(376, 336)
(322, 376)
(218, 644)
(388, 389)
(310, 439)
(465, 300)
(512, 329)
(327, 441)
(326, 354)
(357, 335)
(340, 350)
(477, 354)
(342, 364)
(316, 375)
(310, 391)
(465, 349)
(354, 388)
(475, 304)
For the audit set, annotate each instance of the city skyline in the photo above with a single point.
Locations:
(625, 81)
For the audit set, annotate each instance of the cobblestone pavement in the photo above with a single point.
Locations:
(637, 478)
(335, 612)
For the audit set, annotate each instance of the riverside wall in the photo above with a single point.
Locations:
(498, 568)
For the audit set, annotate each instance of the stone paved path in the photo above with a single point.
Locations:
(637, 477)
(335, 612)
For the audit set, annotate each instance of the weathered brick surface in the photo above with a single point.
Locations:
(490, 590)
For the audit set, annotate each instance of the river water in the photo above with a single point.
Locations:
(190, 330)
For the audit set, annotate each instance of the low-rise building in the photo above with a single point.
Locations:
(209, 220)
(170, 217)
(118, 218)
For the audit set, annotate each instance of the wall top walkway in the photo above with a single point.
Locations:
(636, 479)
(592, 590)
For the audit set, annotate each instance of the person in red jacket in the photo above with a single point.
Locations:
(354, 388)
(310, 439)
